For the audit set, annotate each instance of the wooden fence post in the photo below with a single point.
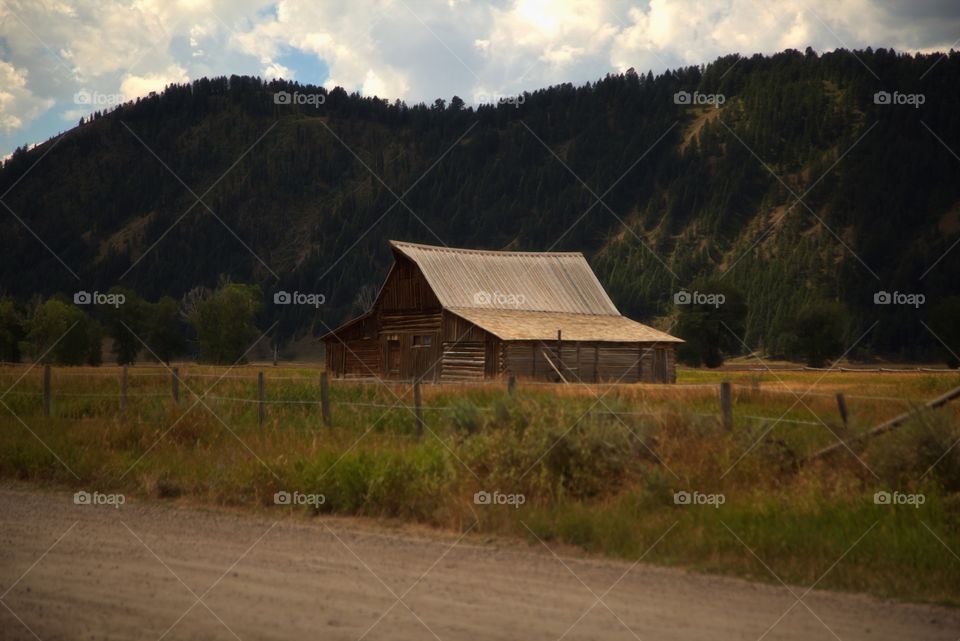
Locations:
(260, 395)
(511, 384)
(46, 390)
(418, 408)
(325, 398)
(726, 405)
(560, 353)
(175, 384)
(842, 406)
(123, 393)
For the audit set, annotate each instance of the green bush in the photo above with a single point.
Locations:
(924, 447)
(466, 416)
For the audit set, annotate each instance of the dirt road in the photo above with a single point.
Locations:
(151, 571)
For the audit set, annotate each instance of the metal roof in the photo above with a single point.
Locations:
(524, 295)
(542, 326)
(511, 281)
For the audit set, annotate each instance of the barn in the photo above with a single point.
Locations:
(448, 314)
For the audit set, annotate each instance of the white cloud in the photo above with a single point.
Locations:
(17, 103)
(339, 35)
(277, 70)
(374, 85)
(417, 50)
(134, 86)
(74, 115)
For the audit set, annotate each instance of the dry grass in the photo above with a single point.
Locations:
(599, 473)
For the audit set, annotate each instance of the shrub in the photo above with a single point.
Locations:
(466, 416)
(923, 447)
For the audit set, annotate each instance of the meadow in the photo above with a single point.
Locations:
(606, 468)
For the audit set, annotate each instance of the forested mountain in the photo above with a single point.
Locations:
(304, 196)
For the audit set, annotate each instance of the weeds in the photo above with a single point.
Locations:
(599, 474)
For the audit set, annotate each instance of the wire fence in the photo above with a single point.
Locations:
(854, 370)
(321, 399)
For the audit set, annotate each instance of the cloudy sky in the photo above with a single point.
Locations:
(60, 59)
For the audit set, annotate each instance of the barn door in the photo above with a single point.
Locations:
(660, 365)
(425, 352)
(393, 357)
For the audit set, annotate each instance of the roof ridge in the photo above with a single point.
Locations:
(526, 311)
(496, 252)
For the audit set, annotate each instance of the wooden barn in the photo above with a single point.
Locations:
(448, 314)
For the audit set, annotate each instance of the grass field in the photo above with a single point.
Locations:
(597, 466)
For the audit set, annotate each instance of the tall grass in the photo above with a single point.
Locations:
(599, 474)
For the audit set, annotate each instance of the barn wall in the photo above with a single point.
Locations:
(528, 359)
(401, 339)
(468, 352)
(587, 361)
(354, 351)
(409, 317)
(648, 362)
(463, 361)
(457, 329)
(406, 289)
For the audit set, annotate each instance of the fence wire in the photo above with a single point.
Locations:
(121, 396)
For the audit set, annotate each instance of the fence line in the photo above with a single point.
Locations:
(802, 393)
(852, 370)
(776, 419)
(725, 396)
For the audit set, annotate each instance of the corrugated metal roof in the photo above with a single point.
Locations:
(542, 326)
(513, 281)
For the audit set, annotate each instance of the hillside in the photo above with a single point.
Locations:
(304, 197)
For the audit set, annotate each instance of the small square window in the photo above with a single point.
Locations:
(421, 340)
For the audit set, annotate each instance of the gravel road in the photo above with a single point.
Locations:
(155, 571)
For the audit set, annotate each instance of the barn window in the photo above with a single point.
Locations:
(422, 340)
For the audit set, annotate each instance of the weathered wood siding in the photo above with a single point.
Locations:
(651, 371)
(406, 289)
(465, 350)
(402, 337)
(589, 362)
(354, 352)
(409, 320)
(463, 361)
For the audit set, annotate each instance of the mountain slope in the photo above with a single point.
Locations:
(303, 197)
